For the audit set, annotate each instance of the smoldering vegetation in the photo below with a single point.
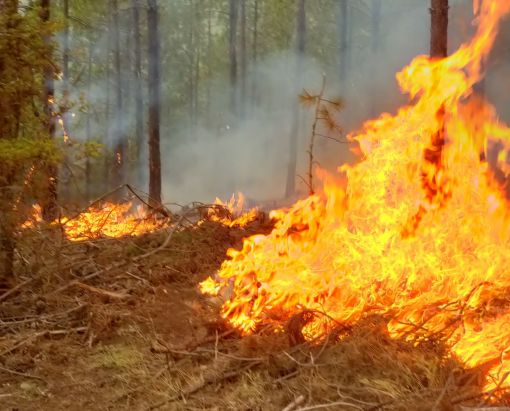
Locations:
(214, 147)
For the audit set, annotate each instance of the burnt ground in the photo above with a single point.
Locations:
(120, 325)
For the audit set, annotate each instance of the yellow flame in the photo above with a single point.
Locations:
(419, 233)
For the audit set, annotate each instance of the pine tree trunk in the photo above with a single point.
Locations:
(140, 141)
(89, 120)
(118, 135)
(343, 40)
(439, 28)
(107, 180)
(154, 104)
(243, 58)
(254, 47)
(375, 46)
(233, 6)
(209, 61)
(290, 187)
(191, 70)
(49, 202)
(438, 49)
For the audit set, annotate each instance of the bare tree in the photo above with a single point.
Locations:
(243, 56)
(49, 202)
(232, 40)
(343, 39)
(438, 28)
(154, 104)
(119, 133)
(140, 142)
(290, 187)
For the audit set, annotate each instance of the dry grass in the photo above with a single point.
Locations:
(149, 341)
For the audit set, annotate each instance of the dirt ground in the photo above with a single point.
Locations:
(120, 325)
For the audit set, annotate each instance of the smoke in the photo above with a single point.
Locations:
(250, 154)
(221, 152)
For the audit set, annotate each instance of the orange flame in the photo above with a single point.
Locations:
(238, 215)
(426, 243)
(108, 221)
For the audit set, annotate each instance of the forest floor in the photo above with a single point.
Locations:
(120, 325)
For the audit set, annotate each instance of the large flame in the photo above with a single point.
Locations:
(420, 234)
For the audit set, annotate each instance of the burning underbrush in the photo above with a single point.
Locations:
(419, 235)
(119, 321)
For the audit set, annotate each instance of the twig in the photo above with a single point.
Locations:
(165, 243)
(207, 381)
(296, 403)
(106, 293)
(160, 209)
(331, 404)
(14, 290)
(41, 334)
(87, 277)
(21, 374)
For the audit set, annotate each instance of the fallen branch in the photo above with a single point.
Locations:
(204, 383)
(41, 334)
(14, 290)
(296, 403)
(165, 243)
(21, 374)
(105, 293)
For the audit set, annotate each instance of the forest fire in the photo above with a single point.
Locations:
(237, 215)
(420, 235)
(108, 221)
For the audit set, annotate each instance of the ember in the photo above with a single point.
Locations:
(434, 262)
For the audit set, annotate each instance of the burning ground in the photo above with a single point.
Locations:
(386, 291)
(118, 323)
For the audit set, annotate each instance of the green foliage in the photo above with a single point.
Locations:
(26, 151)
(14, 152)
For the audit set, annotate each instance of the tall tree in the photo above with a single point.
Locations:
(154, 104)
(140, 144)
(255, 48)
(344, 21)
(375, 46)
(119, 132)
(438, 28)
(88, 126)
(232, 42)
(290, 186)
(49, 203)
(243, 56)
(433, 153)
(65, 64)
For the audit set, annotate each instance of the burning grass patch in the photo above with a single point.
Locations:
(138, 335)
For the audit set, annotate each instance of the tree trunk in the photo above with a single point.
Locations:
(65, 66)
(375, 46)
(191, 70)
(254, 47)
(88, 125)
(343, 40)
(154, 104)
(140, 141)
(233, 53)
(107, 180)
(209, 61)
(290, 187)
(243, 57)
(49, 202)
(438, 28)
(119, 137)
(7, 225)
